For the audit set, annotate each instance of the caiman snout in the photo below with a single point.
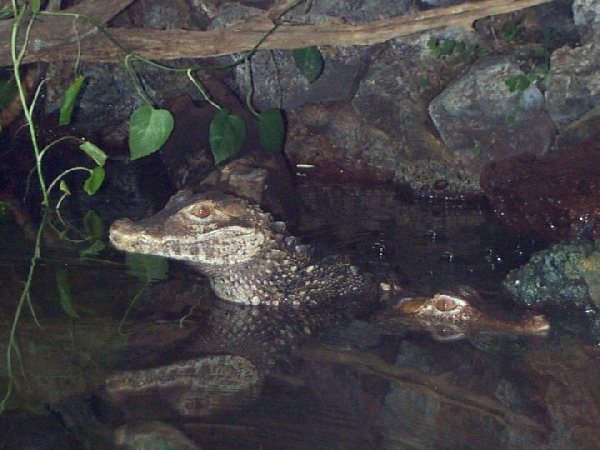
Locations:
(119, 230)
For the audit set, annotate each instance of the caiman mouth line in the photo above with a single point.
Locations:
(122, 240)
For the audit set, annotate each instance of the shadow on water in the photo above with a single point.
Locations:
(362, 385)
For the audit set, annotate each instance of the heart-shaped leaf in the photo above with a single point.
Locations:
(227, 134)
(149, 129)
(309, 61)
(272, 129)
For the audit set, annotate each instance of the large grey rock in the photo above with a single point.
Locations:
(392, 108)
(482, 121)
(573, 83)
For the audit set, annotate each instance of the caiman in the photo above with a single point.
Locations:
(249, 258)
(272, 294)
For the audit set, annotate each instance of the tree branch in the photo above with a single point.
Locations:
(55, 41)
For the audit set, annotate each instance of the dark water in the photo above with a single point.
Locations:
(358, 386)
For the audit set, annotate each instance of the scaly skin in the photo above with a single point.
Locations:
(272, 293)
(248, 257)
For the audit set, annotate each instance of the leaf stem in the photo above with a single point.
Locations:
(62, 175)
(200, 88)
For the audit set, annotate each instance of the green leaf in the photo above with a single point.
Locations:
(66, 109)
(484, 51)
(148, 268)
(93, 225)
(434, 47)
(272, 129)
(8, 92)
(523, 83)
(517, 83)
(94, 249)
(35, 6)
(538, 73)
(149, 129)
(94, 181)
(64, 188)
(309, 61)
(226, 136)
(468, 52)
(512, 30)
(511, 83)
(6, 13)
(94, 152)
(447, 46)
(64, 292)
(432, 44)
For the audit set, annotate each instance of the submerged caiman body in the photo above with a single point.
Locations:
(272, 294)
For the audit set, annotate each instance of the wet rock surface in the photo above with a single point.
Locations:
(555, 196)
(569, 388)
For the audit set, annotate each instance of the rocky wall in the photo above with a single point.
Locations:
(406, 111)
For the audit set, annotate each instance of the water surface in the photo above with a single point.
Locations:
(358, 386)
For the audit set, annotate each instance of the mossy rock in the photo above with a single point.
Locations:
(557, 276)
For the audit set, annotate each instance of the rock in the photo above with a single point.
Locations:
(573, 84)
(554, 277)
(329, 141)
(556, 196)
(481, 121)
(586, 15)
(565, 379)
(152, 435)
(359, 11)
(291, 89)
(187, 165)
(584, 129)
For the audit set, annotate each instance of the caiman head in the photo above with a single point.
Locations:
(248, 257)
(454, 314)
(210, 229)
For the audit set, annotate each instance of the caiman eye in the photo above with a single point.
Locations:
(202, 211)
(445, 303)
